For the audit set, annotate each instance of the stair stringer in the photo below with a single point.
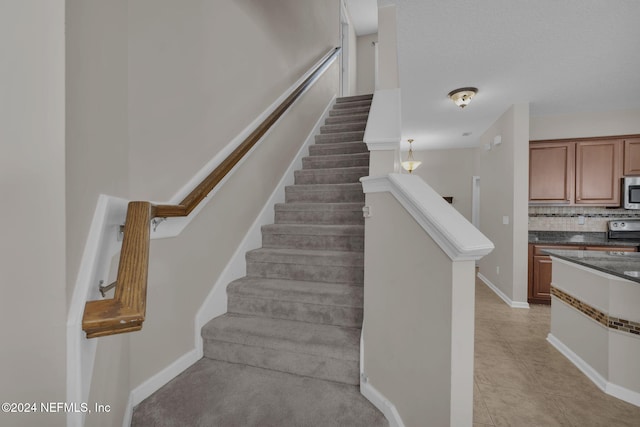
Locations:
(215, 304)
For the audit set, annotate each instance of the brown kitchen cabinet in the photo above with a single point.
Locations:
(598, 172)
(551, 172)
(540, 272)
(540, 268)
(582, 171)
(631, 156)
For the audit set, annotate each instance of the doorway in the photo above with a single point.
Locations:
(475, 202)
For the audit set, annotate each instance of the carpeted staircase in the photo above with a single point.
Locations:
(287, 351)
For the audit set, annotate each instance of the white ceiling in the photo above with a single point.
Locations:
(364, 16)
(560, 56)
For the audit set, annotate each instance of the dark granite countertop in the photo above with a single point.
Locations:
(575, 238)
(617, 263)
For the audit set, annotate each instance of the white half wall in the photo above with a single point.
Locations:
(419, 303)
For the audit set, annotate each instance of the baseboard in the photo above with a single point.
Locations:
(622, 393)
(584, 367)
(502, 295)
(611, 389)
(153, 384)
(128, 412)
(387, 408)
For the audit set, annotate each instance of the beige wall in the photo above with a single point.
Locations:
(450, 173)
(96, 120)
(187, 100)
(152, 98)
(97, 162)
(387, 48)
(32, 187)
(585, 125)
(195, 80)
(407, 322)
(353, 61)
(504, 187)
(183, 269)
(366, 64)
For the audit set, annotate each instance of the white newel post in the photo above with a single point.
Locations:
(383, 132)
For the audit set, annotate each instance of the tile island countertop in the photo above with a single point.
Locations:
(622, 264)
(576, 238)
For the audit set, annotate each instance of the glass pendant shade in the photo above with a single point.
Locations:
(410, 164)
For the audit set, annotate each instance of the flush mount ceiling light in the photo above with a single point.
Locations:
(410, 164)
(462, 96)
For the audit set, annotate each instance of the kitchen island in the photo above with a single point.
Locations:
(539, 286)
(595, 317)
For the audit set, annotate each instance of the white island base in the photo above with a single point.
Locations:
(595, 319)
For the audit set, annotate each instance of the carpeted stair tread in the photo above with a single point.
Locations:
(216, 393)
(306, 257)
(303, 264)
(349, 111)
(352, 136)
(319, 213)
(338, 148)
(314, 230)
(329, 161)
(365, 97)
(310, 236)
(346, 118)
(334, 342)
(351, 174)
(333, 294)
(312, 302)
(323, 193)
(352, 104)
(343, 127)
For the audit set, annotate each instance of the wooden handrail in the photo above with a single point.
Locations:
(125, 312)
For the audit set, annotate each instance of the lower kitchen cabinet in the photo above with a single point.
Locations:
(540, 268)
(540, 272)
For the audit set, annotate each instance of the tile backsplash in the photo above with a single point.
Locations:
(566, 218)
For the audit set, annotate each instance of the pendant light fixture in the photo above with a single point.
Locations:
(410, 164)
(461, 97)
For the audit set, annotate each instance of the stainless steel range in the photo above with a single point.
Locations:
(624, 229)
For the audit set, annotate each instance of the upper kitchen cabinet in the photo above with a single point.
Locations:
(584, 171)
(551, 172)
(598, 172)
(632, 156)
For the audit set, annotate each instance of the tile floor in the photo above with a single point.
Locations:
(521, 380)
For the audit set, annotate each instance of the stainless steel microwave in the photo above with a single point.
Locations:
(631, 193)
